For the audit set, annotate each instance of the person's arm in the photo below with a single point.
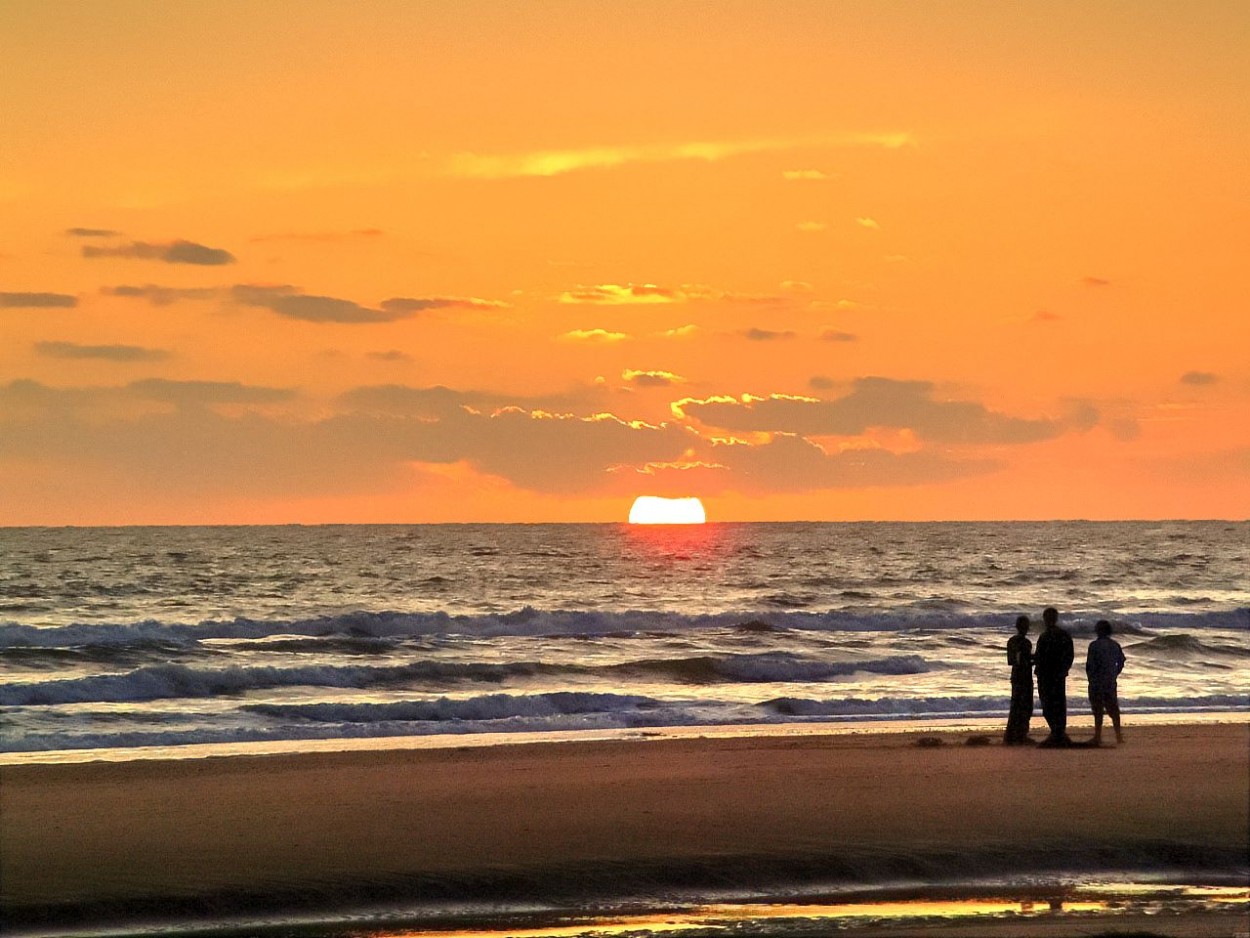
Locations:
(1069, 653)
(1013, 653)
(1119, 659)
(1089, 661)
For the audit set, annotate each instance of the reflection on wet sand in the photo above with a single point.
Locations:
(1103, 903)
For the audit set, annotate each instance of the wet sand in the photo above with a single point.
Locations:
(101, 840)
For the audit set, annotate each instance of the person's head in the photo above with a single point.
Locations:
(1022, 625)
(1103, 628)
(1051, 617)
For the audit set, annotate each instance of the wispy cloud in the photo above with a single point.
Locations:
(679, 332)
(594, 335)
(1095, 282)
(410, 304)
(110, 353)
(91, 232)
(865, 222)
(558, 162)
(37, 300)
(161, 296)
(767, 335)
(805, 175)
(289, 301)
(170, 252)
(1199, 379)
(651, 379)
(833, 335)
(811, 227)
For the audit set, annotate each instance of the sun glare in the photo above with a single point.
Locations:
(651, 509)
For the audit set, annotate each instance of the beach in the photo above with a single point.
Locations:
(98, 841)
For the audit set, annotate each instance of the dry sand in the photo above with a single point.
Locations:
(596, 816)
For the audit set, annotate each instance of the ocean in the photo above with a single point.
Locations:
(113, 638)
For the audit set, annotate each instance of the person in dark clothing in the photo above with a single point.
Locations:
(1020, 658)
(1053, 660)
(1103, 664)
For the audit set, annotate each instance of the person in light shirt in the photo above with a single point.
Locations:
(1103, 663)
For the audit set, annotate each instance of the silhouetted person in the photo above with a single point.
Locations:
(1053, 661)
(1020, 657)
(1103, 664)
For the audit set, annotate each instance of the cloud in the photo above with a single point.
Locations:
(357, 234)
(632, 294)
(1199, 379)
(821, 383)
(1044, 315)
(390, 355)
(406, 304)
(558, 162)
(438, 401)
(796, 286)
(868, 223)
(679, 332)
(207, 444)
(373, 439)
(788, 462)
(1095, 282)
(162, 296)
(804, 175)
(112, 353)
(811, 227)
(878, 402)
(91, 233)
(37, 301)
(613, 294)
(204, 393)
(766, 335)
(833, 335)
(593, 335)
(651, 379)
(323, 309)
(287, 301)
(171, 252)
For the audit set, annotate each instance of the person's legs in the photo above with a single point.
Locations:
(1021, 710)
(1060, 696)
(1113, 708)
(1043, 694)
(1096, 704)
(1054, 707)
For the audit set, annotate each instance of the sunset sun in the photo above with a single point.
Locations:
(651, 509)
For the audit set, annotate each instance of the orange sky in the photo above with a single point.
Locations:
(491, 261)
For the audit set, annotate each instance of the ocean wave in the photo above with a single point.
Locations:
(771, 667)
(169, 680)
(1188, 645)
(489, 707)
(529, 621)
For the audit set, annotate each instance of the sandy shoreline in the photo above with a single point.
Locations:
(99, 840)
